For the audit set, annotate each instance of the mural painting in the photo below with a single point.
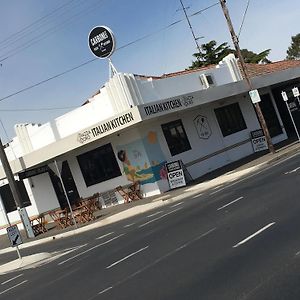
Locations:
(143, 159)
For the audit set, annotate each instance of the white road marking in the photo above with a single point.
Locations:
(177, 204)
(230, 203)
(126, 257)
(13, 287)
(11, 279)
(196, 196)
(255, 173)
(157, 213)
(298, 253)
(128, 225)
(253, 235)
(217, 191)
(104, 291)
(103, 236)
(292, 171)
(162, 216)
(156, 261)
(88, 250)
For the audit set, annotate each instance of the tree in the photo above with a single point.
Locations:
(293, 51)
(254, 58)
(210, 54)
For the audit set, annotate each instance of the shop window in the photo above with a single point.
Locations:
(230, 119)
(99, 165)
(176, 137)
(8, 199)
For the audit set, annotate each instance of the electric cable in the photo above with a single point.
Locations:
(94, 59)
(244, 17)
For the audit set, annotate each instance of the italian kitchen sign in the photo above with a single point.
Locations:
(175, 174)
(109, 126)
(163, 107)
(258, 140)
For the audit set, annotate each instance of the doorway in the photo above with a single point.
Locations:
(69, 185)
(270, 115)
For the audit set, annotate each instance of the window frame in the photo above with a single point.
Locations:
(230, 121)
(94, 168)
(182, 144)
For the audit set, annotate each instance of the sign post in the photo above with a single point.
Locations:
(176, 176)
(285, 99)
(15, 238)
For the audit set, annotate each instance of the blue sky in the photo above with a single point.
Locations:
(62, 44)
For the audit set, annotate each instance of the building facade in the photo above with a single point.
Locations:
(135, 124)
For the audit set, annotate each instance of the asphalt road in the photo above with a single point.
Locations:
(236, 242)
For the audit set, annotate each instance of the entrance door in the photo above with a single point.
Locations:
(69, 185)
(270, 115)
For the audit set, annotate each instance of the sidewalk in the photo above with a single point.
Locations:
(213, 180)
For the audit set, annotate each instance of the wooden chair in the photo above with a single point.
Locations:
(136, 191)
(125, 193)
(61, 218)
(38, 224)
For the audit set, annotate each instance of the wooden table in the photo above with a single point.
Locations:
(61, 217)
(38, 224)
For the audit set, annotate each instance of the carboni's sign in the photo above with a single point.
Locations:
(107, 127)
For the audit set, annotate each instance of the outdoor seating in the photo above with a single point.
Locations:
(61, 218)
(130, 193)
(136, 190)
(38, 224)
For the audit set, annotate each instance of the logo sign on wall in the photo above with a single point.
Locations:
(258, 140)
(102, 42)
(175, 174)
(202, 126)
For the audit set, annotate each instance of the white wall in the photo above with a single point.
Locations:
(203, 147)
(154, 90)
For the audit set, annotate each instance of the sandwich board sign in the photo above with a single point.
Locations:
(258, 140)
(14, 235)
(176, 176)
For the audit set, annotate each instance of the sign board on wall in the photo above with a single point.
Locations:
(259, 142)
(175, 174)
(254, 95)
(295, 91)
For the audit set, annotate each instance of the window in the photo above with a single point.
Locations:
(230, 119)
(99, 165)
(176, 137)
(210, 79)
(8, 199)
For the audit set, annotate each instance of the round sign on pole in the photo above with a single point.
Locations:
(102, 42)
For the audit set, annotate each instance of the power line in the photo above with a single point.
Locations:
(38, 21)
(244, 17)
(94, 59)
(45, 34)
(48, 79)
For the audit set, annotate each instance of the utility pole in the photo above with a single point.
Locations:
(15, 191)
(246, 75)
(191, 28)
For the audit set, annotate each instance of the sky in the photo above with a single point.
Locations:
(42, 39)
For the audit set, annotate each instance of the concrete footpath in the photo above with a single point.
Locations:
(212, 181)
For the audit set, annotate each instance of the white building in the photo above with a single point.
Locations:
(135, 124)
